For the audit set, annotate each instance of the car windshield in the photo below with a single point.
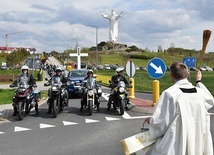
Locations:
(77, 73)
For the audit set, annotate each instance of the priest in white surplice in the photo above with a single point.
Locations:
(180, 120)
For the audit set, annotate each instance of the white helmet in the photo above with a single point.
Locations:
(119, 70)
(58, 69)
(90, 71)
(24, 68)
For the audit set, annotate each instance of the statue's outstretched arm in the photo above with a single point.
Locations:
(105, 16)
(118, 16)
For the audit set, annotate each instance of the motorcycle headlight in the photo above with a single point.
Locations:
(121, 89)
(90, 92)
(54, 88)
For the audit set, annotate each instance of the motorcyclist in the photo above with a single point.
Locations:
(63, 79)
(114, 81)
(30, 81)
(84, 96)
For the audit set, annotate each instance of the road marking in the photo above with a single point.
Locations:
(91, 121)
(69, 123)
(105, 96)
(18, 129)
(127, 116)
(112, 119)
(42, 126)
(1, 132)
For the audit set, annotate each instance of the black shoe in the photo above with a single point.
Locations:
(60, 109)
(49, 112)
(108, 108)
(127, 108)
(26, 112)
(98, 108)
(81, 109)
(14, 113)
(37, 112)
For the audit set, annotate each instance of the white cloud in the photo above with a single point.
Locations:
(49, 25)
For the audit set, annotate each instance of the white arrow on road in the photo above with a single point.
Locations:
(91, 121)
(17, 129)
(46, 126)
(69, 123)
(112, 119)
(158, 69)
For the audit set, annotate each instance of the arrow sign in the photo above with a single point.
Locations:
(156, 68)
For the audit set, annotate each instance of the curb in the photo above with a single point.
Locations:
(6, 116)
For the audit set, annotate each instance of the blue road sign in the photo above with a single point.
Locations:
(156, 68)
(189, 61)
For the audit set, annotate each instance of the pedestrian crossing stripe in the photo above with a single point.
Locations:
(69, 123)
(42, 126)
(1, 132)
(91, 121)
(18, 129)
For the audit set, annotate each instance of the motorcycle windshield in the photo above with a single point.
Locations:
(90, 83)
(56, 81)
(23, 82)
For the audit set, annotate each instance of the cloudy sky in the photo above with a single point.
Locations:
(49, 25)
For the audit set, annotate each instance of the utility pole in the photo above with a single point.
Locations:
(7, 34)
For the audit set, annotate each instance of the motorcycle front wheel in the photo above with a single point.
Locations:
(20, 111)
(55, 108)
(122, 106)
(90, 107)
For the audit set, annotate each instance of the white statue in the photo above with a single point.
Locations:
(113, 29)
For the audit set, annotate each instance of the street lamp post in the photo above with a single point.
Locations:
(96, 43)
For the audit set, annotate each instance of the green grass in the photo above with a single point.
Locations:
(6, 95)
(143, 82)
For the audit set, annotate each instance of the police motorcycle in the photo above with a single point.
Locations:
(56, 95)
(22, 98)
(93, 92)
(118, 96)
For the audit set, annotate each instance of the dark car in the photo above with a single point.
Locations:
(75, 77)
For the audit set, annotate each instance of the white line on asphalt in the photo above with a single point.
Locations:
(69, 123)
(46, 126)
(91, 121)
(112, 119)
(127, 116)
(17, 129)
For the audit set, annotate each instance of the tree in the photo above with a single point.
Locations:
(17, 57)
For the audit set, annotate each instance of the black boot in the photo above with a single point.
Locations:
(36, 109)
(14, 112)
(82, 104)
(49, 110)
(98, 107)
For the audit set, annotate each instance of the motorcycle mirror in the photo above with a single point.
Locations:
(46, 84)
(46, 79)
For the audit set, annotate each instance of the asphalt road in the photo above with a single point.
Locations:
(72, 132)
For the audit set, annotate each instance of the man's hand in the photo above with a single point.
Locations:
(148, 120)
